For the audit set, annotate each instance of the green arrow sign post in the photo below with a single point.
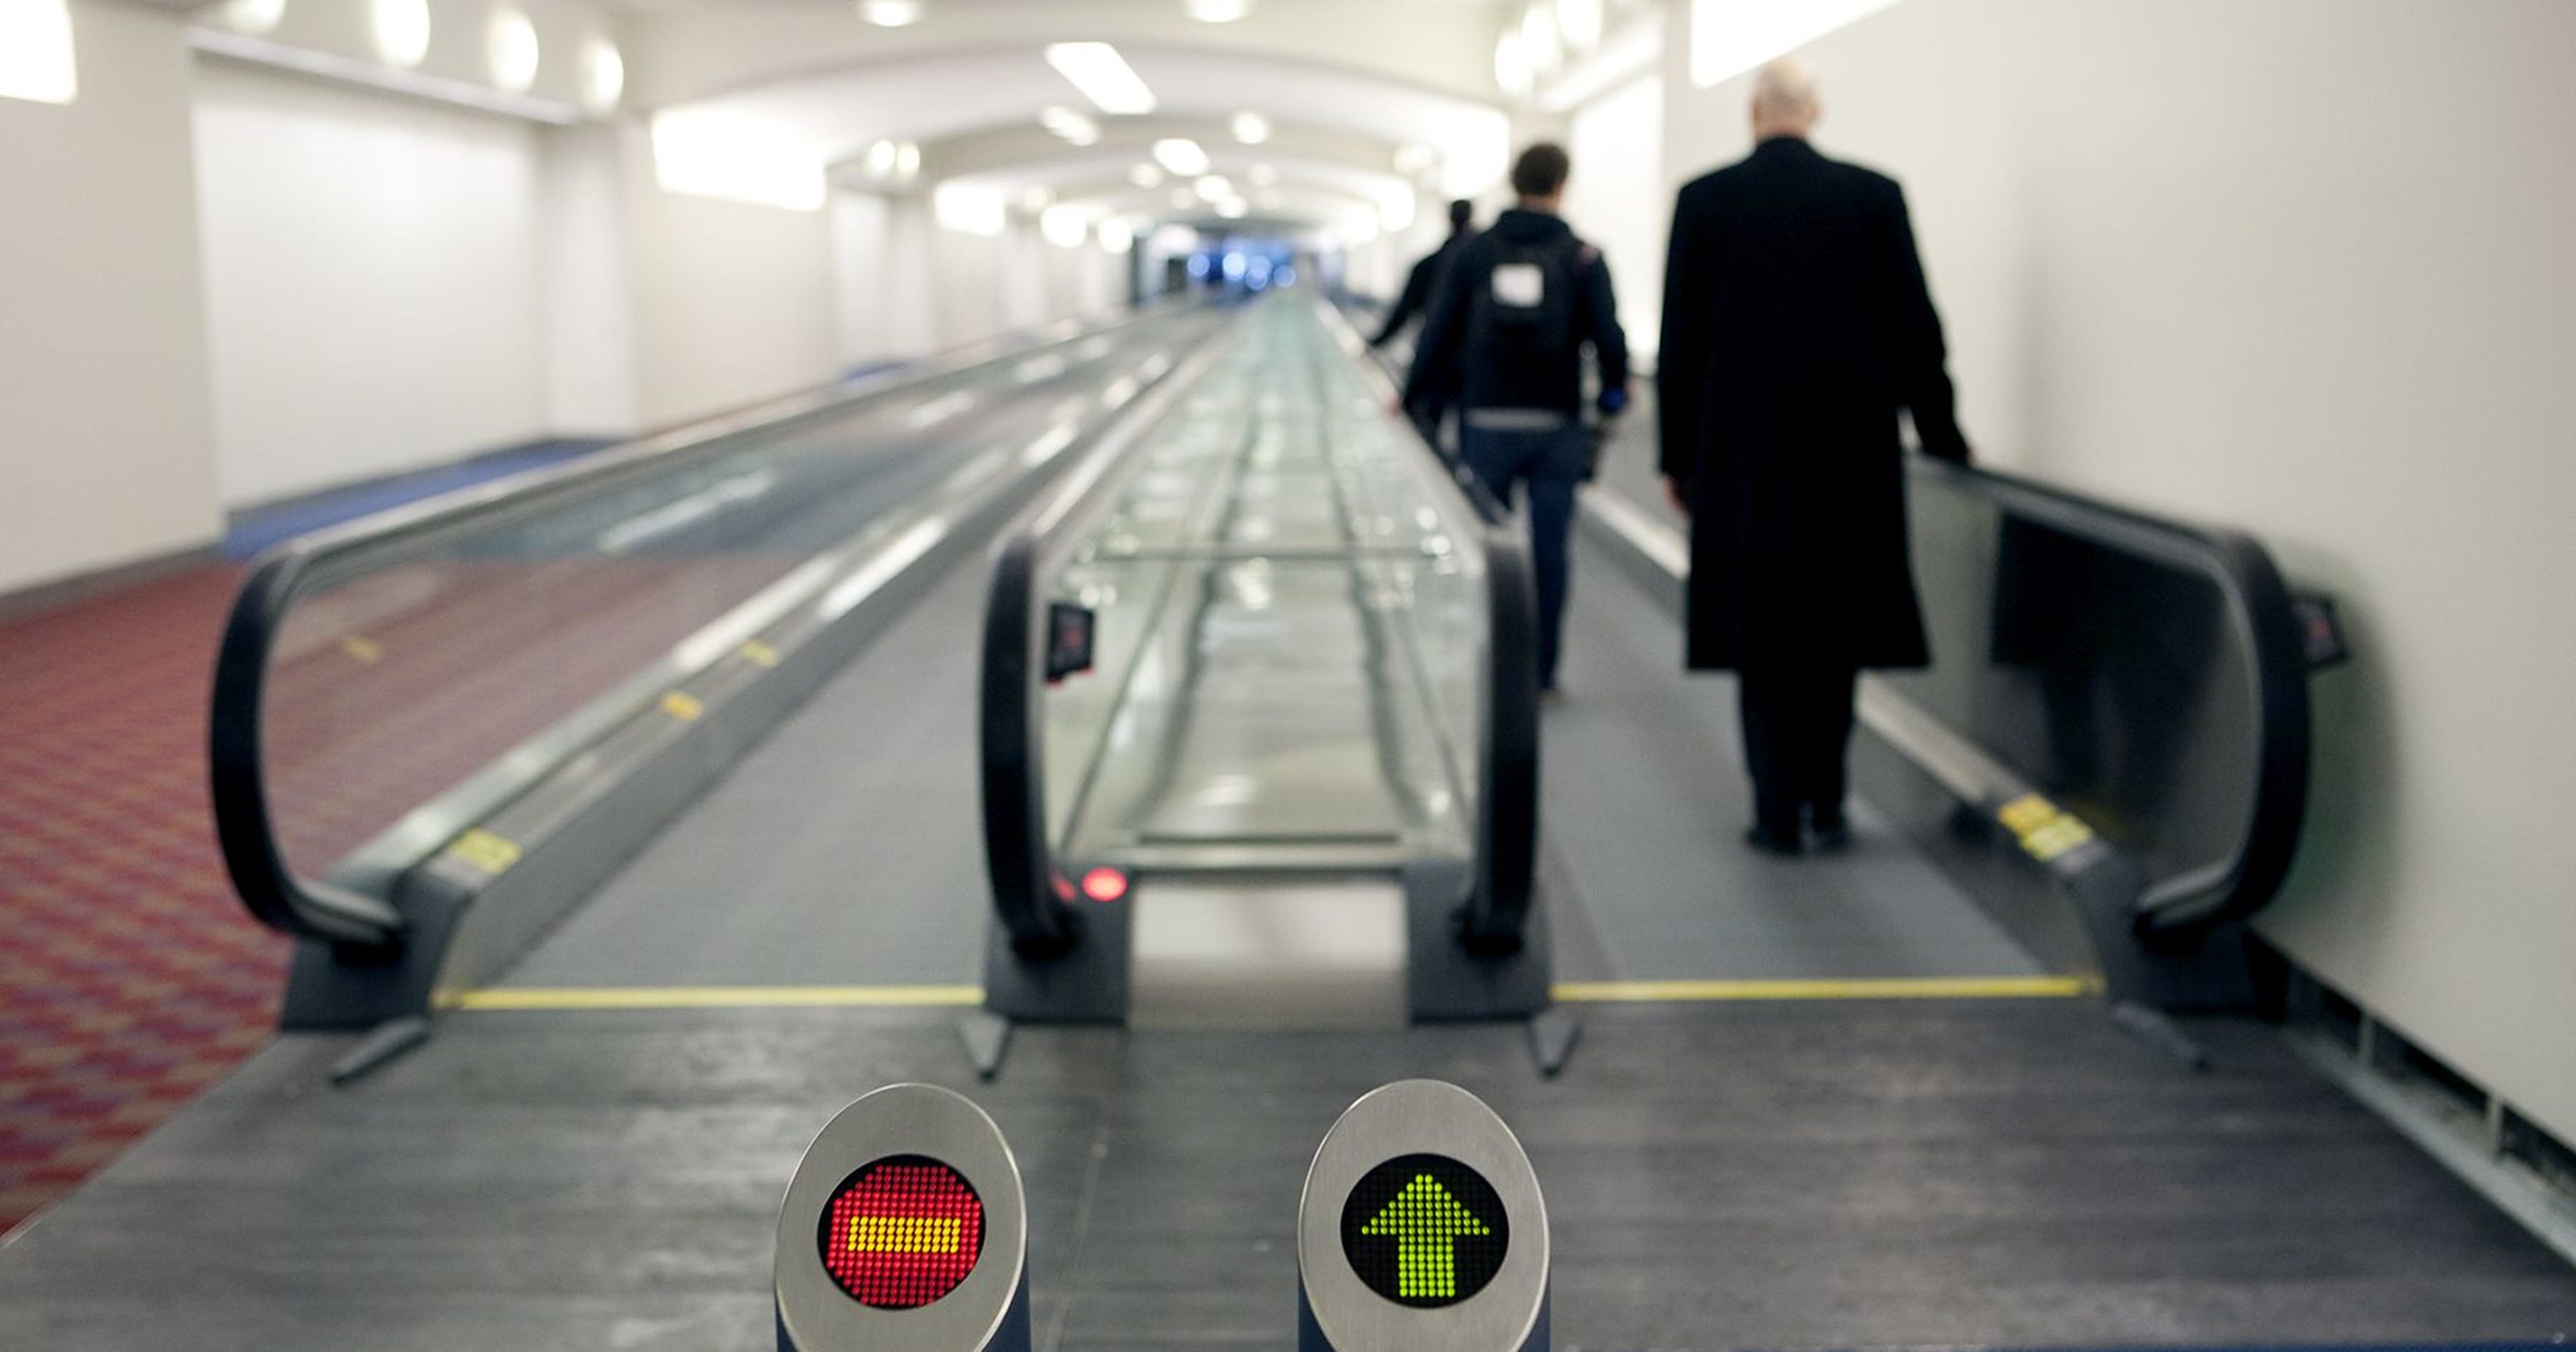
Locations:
(1425, 1222)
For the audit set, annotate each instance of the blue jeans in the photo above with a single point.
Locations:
(1551, 463)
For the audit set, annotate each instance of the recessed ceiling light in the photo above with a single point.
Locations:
(1103, 76)
(603, 75)
(401, 31)
(1146, 175)
(1213, 188)
(252, 16)
(513, 51)
(1251, 128)
(1182, 156)
(890, 13)
(1218, 11)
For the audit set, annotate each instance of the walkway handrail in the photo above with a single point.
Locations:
(2271, 636)
(1497, 913)
(1031, 895)
(245, 825)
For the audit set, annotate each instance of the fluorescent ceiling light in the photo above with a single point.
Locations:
(603, 75)
(36, 58)
(1512, 68)
(1065, 225)
(701, 154)
(1213, 188)
(1218, 11)
(890, 13)
(1539, 41)
(1182, 156)
(512, 50)
(969, 208)
(1146, 175)
(1117, 234)
(1251, 128)
(1580, 22)
(1395, 207)
(1103, 76)
(1233, 208)
(401, 29)
(1730, 37)
(252, 16)
(1076, 128)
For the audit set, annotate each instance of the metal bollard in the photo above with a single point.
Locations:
(1422, 1227)
(904, 1230)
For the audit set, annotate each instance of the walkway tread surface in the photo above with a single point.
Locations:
(1762, 1175)
(1643, 809)
(844, 850)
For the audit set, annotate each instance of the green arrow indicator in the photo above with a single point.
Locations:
(1426, 1223)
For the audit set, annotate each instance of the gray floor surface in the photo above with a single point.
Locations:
(847, 849)
(1718, 1176)
(1643, 809)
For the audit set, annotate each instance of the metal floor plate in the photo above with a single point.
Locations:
(1718, 1176)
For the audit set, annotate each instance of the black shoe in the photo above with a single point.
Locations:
(1772, 842)
(1832, 838)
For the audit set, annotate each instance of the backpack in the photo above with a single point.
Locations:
(1526, 303)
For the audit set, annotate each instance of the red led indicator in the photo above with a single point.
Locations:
(1104, 884)
(902, 1232)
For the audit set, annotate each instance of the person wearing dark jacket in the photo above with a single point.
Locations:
(1797, 323)
(1418, 284)
(1505, 332)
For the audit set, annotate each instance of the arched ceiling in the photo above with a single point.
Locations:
(1348, 132)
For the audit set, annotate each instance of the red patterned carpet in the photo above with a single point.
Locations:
(130, 978)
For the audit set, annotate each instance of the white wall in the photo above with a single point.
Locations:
(372, 280)
(2300, 266)
(589, 311)
(905, 287)
(104, 442)
(1615, 198)
(733, 302)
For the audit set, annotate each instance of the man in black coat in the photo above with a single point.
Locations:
(1418, 284)
(1504, 337)
(1796, 324)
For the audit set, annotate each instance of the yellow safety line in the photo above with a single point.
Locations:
(1858, 988)
(1572, 992)
(713, 997)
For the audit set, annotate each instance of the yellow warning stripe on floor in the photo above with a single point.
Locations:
(713, 997)
(1852, 988)
(1571, 992)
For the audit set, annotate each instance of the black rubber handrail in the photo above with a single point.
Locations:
(1497, 914)
(1029, 891)
(245, 826)
(2261, 609)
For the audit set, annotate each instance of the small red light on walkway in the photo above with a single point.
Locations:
(1104, 884)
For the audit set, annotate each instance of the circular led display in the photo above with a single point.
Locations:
(902, 1232)
(1425, 1231)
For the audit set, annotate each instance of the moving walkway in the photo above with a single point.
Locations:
(665, 948)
